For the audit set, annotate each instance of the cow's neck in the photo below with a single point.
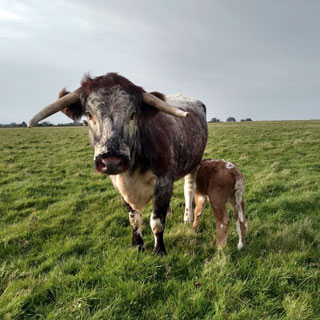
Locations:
(136, 188)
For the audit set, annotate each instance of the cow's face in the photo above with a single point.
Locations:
(111, 119)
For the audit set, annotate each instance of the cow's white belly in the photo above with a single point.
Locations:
(137, 189)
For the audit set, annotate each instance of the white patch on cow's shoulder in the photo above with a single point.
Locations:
(137, 189)
(179, 97)
(182, 102)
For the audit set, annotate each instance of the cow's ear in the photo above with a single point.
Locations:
(75, 111)
(147, 109)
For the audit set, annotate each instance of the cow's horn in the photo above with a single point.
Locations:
(56, 106)
(162, 106)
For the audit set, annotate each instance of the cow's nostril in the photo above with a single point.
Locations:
(114, 161)
(111, 164)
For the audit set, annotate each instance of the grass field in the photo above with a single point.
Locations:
(65, 236)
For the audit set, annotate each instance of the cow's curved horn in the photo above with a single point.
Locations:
(56, 106)
(162, 106)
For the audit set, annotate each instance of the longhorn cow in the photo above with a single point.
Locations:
(143, 141)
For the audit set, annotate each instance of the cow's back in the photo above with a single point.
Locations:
(174, 146)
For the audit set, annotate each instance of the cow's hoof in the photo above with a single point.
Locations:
(140, 247)
(137, 242)
(188, 220)
(159, 251)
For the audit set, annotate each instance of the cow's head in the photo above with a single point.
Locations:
(112, 105)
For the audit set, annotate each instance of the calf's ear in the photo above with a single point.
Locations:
(75, 111)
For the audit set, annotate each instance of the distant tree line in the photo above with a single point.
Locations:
(229, 119)
(246, 119)
(43, 124)
(14, 125)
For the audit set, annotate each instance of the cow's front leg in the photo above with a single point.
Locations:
(135, 219)
(158, 217)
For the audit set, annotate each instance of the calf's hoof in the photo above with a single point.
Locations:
(196, 228)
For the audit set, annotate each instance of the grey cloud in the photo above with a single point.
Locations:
(257, 59)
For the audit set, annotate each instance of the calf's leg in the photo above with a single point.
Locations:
(218, 202)
(200, 201)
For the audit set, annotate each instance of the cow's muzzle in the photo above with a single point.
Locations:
(111, 164)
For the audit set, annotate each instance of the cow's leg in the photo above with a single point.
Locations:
(189, 188)
(237, 202)
(161, 205)
(200, 201)
(135, 219)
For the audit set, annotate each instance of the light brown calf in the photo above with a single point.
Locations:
(219, 181)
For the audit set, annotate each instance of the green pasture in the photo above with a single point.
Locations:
(65, 238)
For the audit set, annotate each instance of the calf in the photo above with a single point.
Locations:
(219, 181)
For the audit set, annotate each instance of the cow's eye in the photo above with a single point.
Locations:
(89, 115)
(133, 114)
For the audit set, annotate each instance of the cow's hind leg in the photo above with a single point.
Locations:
(189, 188)
(135, 219)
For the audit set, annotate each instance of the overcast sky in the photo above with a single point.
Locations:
(242, 58)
